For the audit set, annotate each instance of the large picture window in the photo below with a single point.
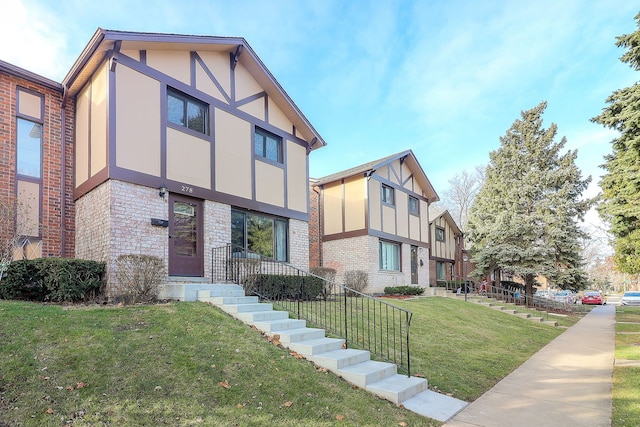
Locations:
(186, 111)
(267, 145)
(389, 256)
(258, 233)
(29, 147)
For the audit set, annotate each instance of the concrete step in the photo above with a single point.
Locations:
(261, 316)
(536, 319)
(523, 315)
(339, 359)
(244, 308)
(398, 388)
(498, 307)
(233, 300)
(289, 336)
(280, 325)
(368, 372)
(226, 290)
(316, 346)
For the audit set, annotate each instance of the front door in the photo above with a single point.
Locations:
(186, 253)
(414, 265)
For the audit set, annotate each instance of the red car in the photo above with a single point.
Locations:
(593, 297)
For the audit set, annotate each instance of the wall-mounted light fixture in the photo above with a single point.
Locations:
(162, 191)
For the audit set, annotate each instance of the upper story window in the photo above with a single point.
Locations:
(440, 234)
(267, 145)
(29, 148)
(387, 195)
(184, 110)
(414, 205)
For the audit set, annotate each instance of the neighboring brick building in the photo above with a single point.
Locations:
(36, 160)
(173, 145)
(374, 218)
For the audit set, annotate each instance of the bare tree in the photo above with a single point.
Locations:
(462, 190)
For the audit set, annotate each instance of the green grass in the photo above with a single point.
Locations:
(165, 365)
(184, 364)
(626, 379)
(465, 349)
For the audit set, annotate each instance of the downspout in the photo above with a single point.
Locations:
(63, 202)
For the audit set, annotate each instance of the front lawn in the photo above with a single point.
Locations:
(626, 379)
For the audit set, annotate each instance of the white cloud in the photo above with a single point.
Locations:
(33, 39)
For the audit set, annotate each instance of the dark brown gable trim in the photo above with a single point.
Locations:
(396, 238)
(345, 235)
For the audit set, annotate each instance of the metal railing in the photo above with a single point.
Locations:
(361, 320)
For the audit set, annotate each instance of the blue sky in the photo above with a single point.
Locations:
(443, 78)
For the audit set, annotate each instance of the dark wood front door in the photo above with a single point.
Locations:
(186, 253)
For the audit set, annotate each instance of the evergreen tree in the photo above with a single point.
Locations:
(524, 220)
(620, 206)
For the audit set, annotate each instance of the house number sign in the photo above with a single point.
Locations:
(187, 189)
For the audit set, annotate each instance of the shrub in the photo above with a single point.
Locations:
(329, 276)
(284, 287)
(53, 279)
(139, 276)
(357, 280)
(403, 290)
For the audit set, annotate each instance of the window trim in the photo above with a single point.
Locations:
(280, 146)
(186, 99)
(391, 192)
(442, 230)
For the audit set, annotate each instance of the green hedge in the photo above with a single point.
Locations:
(403, 290)
(53, 279)
(282, 287)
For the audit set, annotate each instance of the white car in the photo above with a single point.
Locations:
(630, 298)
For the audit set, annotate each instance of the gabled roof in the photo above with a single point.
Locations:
(371, 167)
(105, 42)
(436, 212)
(28, 75)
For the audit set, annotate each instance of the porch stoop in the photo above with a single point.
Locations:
(355, 366)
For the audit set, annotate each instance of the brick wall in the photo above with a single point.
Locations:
(361, 253)
(115, 219)
(57, 205)
(315, 254)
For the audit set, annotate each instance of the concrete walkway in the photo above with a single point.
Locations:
(567, 383)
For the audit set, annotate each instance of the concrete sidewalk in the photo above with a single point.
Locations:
(567, 383)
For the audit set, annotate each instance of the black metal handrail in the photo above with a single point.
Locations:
(361, 320)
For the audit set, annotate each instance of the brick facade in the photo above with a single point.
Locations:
(361, 253)
(56, 219)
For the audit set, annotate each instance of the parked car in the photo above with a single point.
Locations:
(630, 298)
(543, 293)
(593, 297)
(566, 297)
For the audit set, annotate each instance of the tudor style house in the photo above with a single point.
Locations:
(374, 218)
(446, 250)
(173, 145)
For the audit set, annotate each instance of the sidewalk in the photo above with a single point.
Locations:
(567, 383)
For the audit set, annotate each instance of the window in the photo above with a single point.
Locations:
(440, 234)
(29, 148)
(267, 145)
(389, 256)
(440, 271)
(387, 195)
(414, 205)
(186, 111)
(262, 234)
